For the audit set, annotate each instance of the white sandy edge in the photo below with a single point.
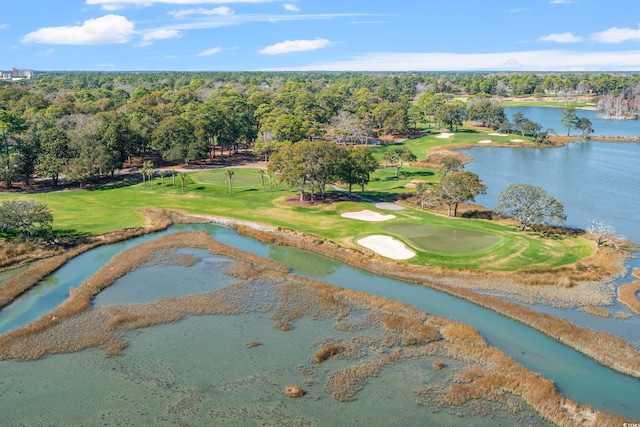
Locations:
(485, 141)
(444, 135)
(387, 247)
(516, 140)
(367, 215)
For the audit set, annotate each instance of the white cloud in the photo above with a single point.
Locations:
(109, 29)
(4, 26)
(541, 60)
(159, 34)
(562, 1)
(616, 35)
(219, 11)
(520, 10)
(211, 51)
(291, 7)
(561, 38)
(289, 46)
(118, 4)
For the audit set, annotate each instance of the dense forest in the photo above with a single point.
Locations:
(82, 125)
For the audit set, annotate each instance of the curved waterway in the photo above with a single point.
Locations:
(575, 375)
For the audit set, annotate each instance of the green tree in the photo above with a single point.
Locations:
(531, 205)
(585, 127)
(27, 216)
(10, 125)
(54, 153)
(450, 163)
(569, 118)
(176, 140)
(356, 167)
(398, 155)
(452, 114)
(458, 187)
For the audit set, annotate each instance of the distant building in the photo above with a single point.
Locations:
(21, 73)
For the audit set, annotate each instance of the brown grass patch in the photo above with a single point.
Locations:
(327, 351)
(293, 391)
(418, 332)
(462, 333)
(596, 311)
(628, 295)
(439, 365)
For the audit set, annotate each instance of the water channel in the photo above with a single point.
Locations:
(575, 375)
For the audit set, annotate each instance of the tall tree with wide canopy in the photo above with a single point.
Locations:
(176, 140)
(458, 187)
(356, 166)
(398, 155)
(531, 205)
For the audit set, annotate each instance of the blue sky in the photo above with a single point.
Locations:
(332, 35)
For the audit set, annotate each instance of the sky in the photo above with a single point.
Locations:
(320, 35)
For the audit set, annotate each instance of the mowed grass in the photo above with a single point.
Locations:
(207, 193)
(242, 178)
(443, 240)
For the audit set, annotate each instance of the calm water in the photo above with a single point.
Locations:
(549, 118)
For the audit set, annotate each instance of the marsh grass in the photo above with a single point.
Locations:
(596, 311)
(328, 351)
(628, 295)
(488, 374)
(603, 347)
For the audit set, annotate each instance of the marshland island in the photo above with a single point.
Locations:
(319, 249)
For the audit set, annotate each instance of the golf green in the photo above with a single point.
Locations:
(443, 240)
(241, 178)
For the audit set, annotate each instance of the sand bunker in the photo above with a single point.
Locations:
(391, 206)
(516, 140)
(444, 135)
(498, 134)
(485, 141)
(387, 246)
(367, 215)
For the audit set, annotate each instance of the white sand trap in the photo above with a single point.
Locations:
(485, 141)
(498, 134)
(516, 140)
(386, 206)
(367, 215)
(444, 135)
(387, 246)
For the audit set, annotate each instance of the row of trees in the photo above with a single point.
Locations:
(474, 83)
(312, 165)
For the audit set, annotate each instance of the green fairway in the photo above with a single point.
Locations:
(443, 240)
(242, 178)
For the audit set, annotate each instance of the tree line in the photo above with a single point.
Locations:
(83, 125)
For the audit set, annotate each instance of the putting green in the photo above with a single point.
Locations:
(241, 178)
(443, 240)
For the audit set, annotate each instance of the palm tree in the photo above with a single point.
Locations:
(182, 176)
(229, 174)
(262, 174)
(162, 173)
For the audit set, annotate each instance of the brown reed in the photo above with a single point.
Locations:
(628, 295)
(438, 365)
(293, 391)
(596, 311)
(327, 351)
